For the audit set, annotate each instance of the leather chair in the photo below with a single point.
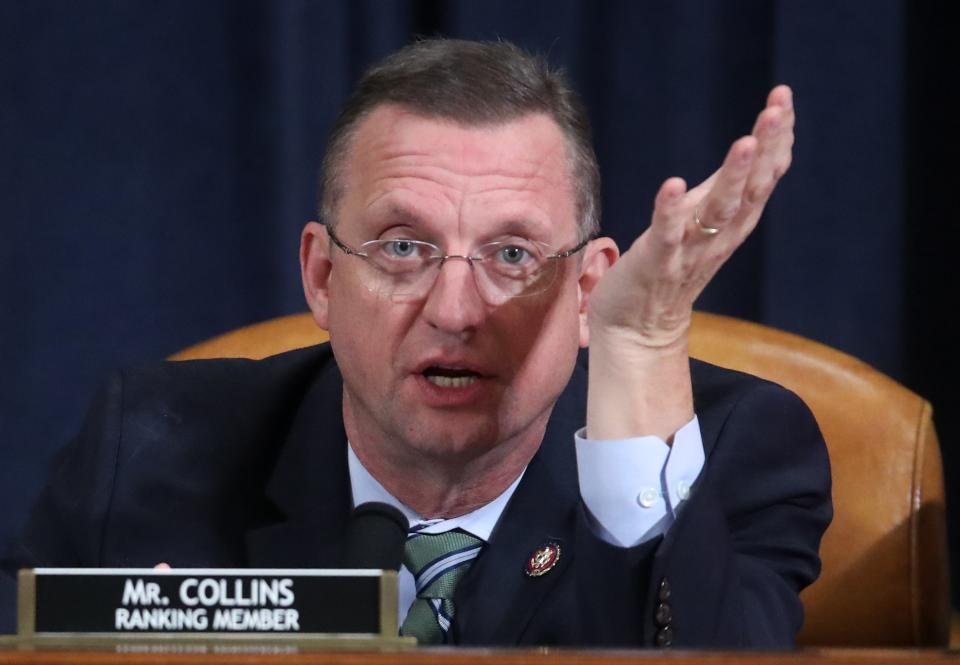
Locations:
(885, 568)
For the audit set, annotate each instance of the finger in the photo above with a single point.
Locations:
(722, 206)
(162, 566)
(774, 132)
(770, 127)
(670, 213)
(781, 96)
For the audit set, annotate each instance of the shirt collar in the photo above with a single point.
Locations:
(479, 522)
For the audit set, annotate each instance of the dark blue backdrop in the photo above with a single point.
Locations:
(157, 162)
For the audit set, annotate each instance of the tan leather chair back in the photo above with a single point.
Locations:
(885, 575)
(259, 340)
(885, 568)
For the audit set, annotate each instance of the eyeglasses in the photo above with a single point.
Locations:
(405, 269)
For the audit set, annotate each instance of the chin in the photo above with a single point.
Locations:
(468, 437)
(458, 440)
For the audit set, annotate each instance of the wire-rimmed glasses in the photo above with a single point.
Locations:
(405, 269)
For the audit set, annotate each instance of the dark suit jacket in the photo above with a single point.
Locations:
(243, 463)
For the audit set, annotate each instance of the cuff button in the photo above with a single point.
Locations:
(648, 497)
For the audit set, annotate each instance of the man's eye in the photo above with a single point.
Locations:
(401, 249)
(513, 255)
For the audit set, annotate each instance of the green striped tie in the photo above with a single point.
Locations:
(437, 563)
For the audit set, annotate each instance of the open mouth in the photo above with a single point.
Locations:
(450, 377)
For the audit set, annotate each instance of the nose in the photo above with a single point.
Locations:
(454, 304)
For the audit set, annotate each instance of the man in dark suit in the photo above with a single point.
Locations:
(458, 273)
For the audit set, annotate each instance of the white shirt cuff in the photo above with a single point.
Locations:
(632, 488)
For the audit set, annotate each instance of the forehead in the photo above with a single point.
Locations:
(516, 171)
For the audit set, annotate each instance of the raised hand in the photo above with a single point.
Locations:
(640, 311)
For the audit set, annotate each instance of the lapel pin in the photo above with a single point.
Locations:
(543, 559)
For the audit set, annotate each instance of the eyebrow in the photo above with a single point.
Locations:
(526, 228)
(396, 212)
(407, 215)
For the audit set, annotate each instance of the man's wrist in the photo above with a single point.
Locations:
(635, 390)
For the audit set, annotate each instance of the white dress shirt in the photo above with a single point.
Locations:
(632, 489)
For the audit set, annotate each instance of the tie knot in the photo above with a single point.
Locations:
(438, 561)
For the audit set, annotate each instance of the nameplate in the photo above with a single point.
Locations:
(208, 603)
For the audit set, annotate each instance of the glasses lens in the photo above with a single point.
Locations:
(514, 268)
(400, 267)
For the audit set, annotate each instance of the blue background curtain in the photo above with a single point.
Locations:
(157, 161)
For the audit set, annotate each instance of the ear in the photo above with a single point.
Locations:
(315, 270)
(598, 256)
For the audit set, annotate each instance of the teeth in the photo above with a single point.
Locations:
(451, 381)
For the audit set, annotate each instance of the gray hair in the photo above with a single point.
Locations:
(474, 84)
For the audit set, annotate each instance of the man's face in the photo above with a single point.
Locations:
(456, 187)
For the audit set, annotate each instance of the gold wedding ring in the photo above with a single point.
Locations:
(703, 228)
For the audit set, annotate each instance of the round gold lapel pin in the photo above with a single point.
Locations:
(543, 559)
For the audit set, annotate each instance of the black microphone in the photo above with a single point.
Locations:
(376, 536)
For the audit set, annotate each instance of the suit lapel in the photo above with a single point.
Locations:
(309, 489)
(496, 599)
